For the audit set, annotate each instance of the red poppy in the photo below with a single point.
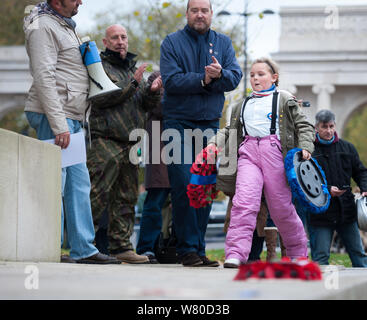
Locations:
(201, 195)
(301, 268)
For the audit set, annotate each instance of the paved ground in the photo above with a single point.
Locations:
(18, 281)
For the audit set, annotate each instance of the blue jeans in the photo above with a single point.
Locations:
(151, 219)
(190, 224)
(75, 190)
(351, 238)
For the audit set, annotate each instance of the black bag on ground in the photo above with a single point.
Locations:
(165, 246)
(165, 249)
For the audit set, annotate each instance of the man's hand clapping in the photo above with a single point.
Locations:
(213, 71)
(157, 84)
(138, 76)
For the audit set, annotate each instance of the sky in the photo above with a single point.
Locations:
(263, 34)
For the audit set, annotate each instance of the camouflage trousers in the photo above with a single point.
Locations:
(114, 189)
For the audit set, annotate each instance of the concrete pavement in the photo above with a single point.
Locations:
(21, 280)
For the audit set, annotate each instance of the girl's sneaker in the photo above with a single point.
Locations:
(231, 263)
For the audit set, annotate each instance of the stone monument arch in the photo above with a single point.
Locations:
(323, 58)
(361, 105)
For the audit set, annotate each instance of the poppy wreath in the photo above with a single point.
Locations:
(202, 188)
(301, 268)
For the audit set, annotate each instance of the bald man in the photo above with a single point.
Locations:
(114, 179)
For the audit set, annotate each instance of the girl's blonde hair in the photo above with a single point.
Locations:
(273, 67)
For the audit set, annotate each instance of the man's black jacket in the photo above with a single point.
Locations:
(340, 162)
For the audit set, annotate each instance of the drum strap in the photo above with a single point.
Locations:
(274, 113)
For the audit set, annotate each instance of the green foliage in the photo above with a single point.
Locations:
(148, 25)
(141, 176)
(341, 259)
(16, 121)
(216, 254)
(12, 13)
(356, 132)
(335, 258)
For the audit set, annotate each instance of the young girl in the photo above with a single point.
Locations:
(261, 148)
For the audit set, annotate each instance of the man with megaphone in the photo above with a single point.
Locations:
(113, 116)
(55, 108)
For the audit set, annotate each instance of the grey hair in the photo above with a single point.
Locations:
(324, 116)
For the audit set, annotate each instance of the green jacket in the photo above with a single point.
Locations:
(294, 130)
(114, 116)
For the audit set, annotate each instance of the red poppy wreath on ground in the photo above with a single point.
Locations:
(300, 268)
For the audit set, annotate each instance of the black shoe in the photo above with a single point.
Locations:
(191, 259)
(99, 258)
(66, 259)
(152, 259)
(208, 263)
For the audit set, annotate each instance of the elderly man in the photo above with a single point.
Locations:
(55, 108)
(340, 161)
(197, 65)
(114, 179)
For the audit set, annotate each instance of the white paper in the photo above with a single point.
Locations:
(75, 153)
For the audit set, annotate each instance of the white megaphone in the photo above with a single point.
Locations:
(99, 84)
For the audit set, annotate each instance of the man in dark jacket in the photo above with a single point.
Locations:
(156, 184)
(197, 65)
(114, 178)
(340, 161)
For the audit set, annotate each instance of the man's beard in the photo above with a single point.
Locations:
(75, 10)
(204, 27)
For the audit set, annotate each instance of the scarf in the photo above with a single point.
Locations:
(45, 8)
(263, 93)
(327, 142)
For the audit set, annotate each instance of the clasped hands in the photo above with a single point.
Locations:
(213, 71)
